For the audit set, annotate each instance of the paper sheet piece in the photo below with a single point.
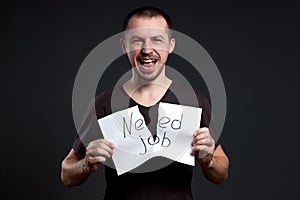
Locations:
(135, 144)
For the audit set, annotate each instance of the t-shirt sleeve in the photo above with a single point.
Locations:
(90, 129)
(206, 112)
(78, 146)
(206, 119)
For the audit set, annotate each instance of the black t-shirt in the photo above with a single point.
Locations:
(170, 182)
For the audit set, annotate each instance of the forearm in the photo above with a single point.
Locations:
(215, 169)
(72, 172)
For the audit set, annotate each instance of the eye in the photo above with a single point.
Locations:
(136, 41)
(157, 40)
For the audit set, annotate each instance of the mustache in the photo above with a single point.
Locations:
(152, 57)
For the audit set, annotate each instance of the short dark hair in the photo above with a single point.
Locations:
(147, 11)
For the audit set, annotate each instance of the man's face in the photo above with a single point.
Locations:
(147, 44)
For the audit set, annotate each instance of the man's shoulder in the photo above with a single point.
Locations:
(112, 99)
(104, 96)
(186, 94)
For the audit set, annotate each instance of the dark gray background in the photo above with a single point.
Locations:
(255, 46)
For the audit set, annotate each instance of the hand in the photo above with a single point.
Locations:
(203, 143)
(97, 152)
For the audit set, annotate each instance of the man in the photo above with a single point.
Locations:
(148, 43)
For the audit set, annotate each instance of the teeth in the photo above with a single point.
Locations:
(148, 61)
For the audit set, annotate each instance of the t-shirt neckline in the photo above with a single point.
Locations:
(132, 100)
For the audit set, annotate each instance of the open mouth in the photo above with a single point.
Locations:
(147, 62)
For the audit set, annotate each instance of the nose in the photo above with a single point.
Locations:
(147, 48)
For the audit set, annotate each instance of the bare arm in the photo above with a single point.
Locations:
(215, 167)
(76, 168)
(72, 172)
(213, 161)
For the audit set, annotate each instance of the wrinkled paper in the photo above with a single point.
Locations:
(135, 144)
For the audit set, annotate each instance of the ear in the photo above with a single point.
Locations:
(172, 45)
(123, 45)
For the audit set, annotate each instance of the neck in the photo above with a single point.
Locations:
(147, 92)
(136, 84)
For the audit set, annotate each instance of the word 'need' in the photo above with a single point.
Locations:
(166, 124)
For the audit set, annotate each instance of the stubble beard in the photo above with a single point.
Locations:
(148, 77)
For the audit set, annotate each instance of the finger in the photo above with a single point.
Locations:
(100, 152)
(106, 148)
(200, 148)
(96, 160)
(201, 131)
(100, 159)
(202, 136)
(108, 143)
(205, 141)
(102, 141)
(101, 145)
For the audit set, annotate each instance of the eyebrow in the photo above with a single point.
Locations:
(158, 36)
(138, 37)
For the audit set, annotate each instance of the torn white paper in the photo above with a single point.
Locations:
(135, 144)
